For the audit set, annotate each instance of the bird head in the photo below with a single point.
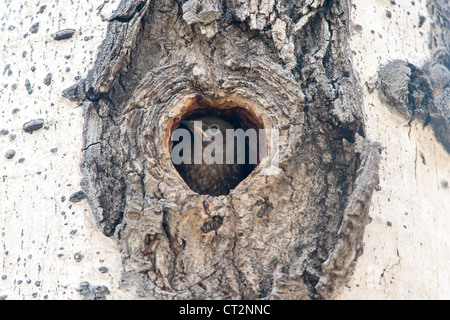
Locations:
(210, 126)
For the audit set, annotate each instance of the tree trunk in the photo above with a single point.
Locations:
(292, 232)
(294, 228)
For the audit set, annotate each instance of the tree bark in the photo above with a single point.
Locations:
(294, 234)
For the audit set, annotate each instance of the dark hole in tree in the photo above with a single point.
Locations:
(219, 179)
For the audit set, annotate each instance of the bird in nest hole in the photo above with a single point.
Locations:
(214, 179)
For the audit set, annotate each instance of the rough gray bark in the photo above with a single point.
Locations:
(275, 64)
(423, 93)
(419, 94)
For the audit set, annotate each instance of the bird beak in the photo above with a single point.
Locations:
(190, 125)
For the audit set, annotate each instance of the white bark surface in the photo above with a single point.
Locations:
(42, 235)
(406, 249)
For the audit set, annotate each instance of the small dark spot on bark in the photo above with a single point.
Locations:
(423, 158)
(63, 34)
(4, 132)
(34, 28)
(422, 20)
(77, 197)
(74, 93)
(265, 210)
(212, 224)
(42, 9)
(78, 257)
(7, 67)
(93, 293)
(33, 125)
(445, 184)
(103, 269)
(48, 79)
(10, 154)
(28, 86)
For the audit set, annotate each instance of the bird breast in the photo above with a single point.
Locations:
(213, 179)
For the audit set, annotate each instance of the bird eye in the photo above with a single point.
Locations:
(214, 129)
